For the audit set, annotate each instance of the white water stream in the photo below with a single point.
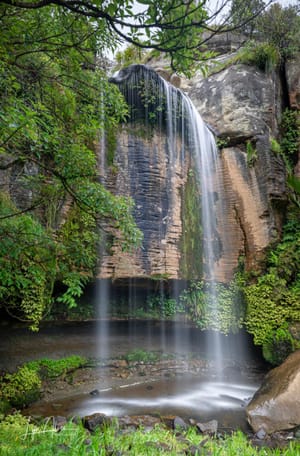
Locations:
(186, 134)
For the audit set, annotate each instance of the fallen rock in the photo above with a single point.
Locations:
(210, 427)
(147, 421)
(95, 392)
(91, 422)
(276, 405)
(59, 422)
(179, 424)
(261, 434)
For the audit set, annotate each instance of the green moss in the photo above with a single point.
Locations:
(21, 388)
(251, 154)
(273, 301)
(111, 144)
(278, 345)
(191, 240)
(52, 368)
(139, 355)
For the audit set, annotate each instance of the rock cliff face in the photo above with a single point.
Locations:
(144, 174)
(242, 105)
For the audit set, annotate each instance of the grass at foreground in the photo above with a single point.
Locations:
(19, 437)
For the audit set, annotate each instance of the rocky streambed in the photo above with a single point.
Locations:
(176, 394)
(175, 383)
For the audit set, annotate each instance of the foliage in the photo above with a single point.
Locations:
(215, 306)
(274, 300)
(16, 422)
(141, 356)
(280, 27)
(246, 14)
(55, 102)
(263, 55)
(21, 388)
(169, 27)
(52, 368)
(132, 54)
(27, 265)
(278, 345)
(223, 142)
(162, 306)
(251, 154)
(19, 437)
(290, 134)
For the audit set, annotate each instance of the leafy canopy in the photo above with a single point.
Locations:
(168, 26)
(55, 104)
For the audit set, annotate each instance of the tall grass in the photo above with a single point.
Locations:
(19, 437)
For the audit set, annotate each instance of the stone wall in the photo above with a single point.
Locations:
(144, 174)
(242, 105)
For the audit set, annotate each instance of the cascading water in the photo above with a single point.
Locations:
(184, 389)
(202, 144)
(102, 287)
(154, 101)
(187, 146)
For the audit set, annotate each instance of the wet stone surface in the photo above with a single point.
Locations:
(186, 388)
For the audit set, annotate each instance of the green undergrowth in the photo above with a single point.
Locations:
(20, 437)
(53, 368)
(218, 307)
(23, 387)
(273, 300)
(142, 356)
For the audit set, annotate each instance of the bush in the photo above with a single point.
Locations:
(52, 368)
(21, 388)
(273, 302)
(263, 55)
(278, 345)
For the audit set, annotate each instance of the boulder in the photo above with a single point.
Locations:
(276, 405)
(238, 102)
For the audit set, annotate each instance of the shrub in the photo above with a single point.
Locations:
(262, 55)
(52, 368)
(278, 345)
(290, 132)
(21, 388)
(273, 302)
(251, 154)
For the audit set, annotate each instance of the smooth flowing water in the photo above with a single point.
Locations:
(152, 99)
(189, 391)
(167, 387)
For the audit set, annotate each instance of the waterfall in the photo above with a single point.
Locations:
(155, 102)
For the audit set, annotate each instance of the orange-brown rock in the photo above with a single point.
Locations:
(276, 405)
(239, 104)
